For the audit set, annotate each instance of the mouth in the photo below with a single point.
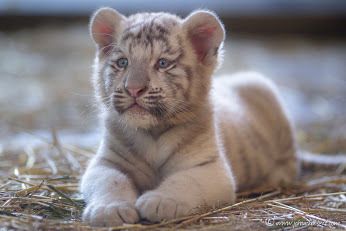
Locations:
(136, 108)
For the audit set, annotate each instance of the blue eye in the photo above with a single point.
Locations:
(163, 63)
(122, 63)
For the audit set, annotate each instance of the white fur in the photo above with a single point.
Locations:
(236, 138)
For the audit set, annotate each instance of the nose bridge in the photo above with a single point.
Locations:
(137, 79)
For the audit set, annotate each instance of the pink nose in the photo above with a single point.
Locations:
(136, 92)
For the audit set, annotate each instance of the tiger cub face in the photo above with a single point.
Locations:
(154, 68)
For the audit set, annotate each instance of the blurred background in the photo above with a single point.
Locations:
(46, 56)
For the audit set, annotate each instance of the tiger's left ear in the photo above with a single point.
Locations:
(205, 32)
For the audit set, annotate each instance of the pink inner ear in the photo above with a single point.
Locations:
(104, 30)
(104, 35)
(201, 40)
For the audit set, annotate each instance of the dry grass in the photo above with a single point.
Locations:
(39, 191)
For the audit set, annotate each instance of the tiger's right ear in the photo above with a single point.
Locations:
(104, 26)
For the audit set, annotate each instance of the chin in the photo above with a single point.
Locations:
(138, 118)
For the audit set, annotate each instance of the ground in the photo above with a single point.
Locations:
(49, 130)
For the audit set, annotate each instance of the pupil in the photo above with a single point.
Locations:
(163, 63)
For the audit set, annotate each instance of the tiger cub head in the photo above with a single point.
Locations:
(154, 68)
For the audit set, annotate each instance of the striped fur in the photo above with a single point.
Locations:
(192, 140)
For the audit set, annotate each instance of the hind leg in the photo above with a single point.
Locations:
(285, 172)
(266, 103)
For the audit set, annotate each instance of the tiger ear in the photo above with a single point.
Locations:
(205, 32)
(104, 27)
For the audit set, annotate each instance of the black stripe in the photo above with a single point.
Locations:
(157, 111)
(133, 26)
(127, 36)
(119, 96)
(154, 97)
(210, 161)
(119, 108)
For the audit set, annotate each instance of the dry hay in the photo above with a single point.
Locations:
(39, 191)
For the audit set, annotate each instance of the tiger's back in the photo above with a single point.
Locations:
(255, 131)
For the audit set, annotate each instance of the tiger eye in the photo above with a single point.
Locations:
(122, 63)
(163, 63)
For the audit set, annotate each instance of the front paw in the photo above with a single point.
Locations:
(113, 214)
(155, 206)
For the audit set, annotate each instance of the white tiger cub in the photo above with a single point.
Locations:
(174, 137)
